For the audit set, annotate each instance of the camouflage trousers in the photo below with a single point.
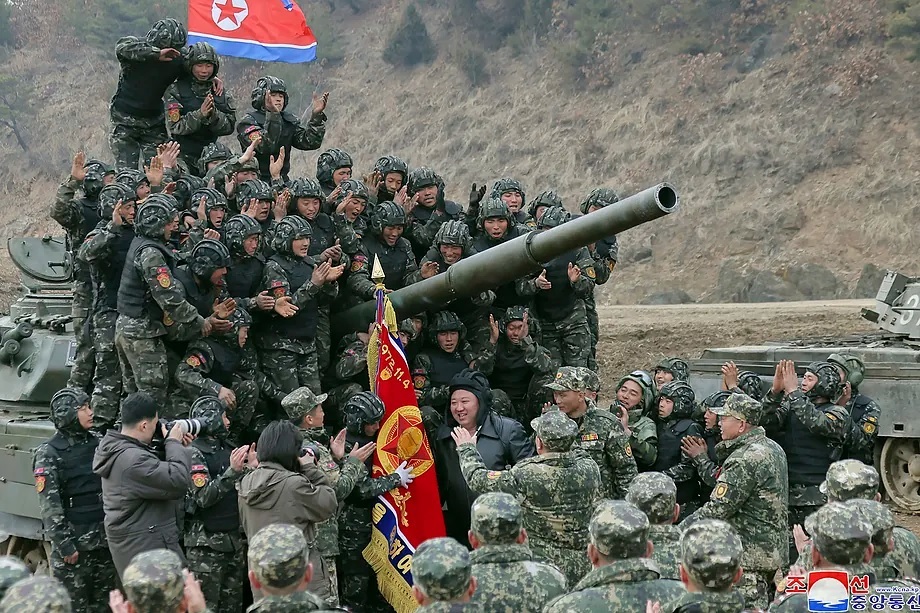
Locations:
(221, 574)
(573, 563)
(135, 138)
(568, 340)
(81, 373)
(144, 366)
(292, 369)
(88, 581)
(323, 340)
(757, 587)
(107, 384)
(247, 398)
(358, 587)
(325, 583)
(594, 329)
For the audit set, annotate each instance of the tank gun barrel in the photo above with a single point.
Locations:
(518, 257)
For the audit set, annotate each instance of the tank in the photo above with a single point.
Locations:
(892, 359)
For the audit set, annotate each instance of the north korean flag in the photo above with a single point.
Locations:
(267, 30)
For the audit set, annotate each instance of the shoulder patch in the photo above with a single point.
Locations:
(720, 491)
(40, 484)
(590, 437)
(420, 381)
(39, 470)
(167, 320)
(330, 465)
(831, 416)
(163, 277)
(172, 112)
(589, 270)
(195, 360)
(628, 449)
(197, 467)
(356, 265)
(360, 257)
(611, 264)
(199, 479)
(869, 427)
(251, 129)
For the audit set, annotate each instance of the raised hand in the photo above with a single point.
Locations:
(77, 172)
(541, 282)
(574, 273)
(320, 102)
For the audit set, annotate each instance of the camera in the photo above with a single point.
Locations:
(188, 426)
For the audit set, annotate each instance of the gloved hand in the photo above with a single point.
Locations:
(405, 474)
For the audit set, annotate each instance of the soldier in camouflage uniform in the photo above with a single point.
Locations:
(635, 399)
(674, 423)
(538, 206)
(349, 218)
(427, 209)
(655, 494)
(558, 294)
(298, 284)
(558, 488)
(751, 494)
(446, 355)
(79, 217)
(156, 581)
(864, 412)
(256, 199)
(37, 594)
(605, 253)
(671, 369)
(710, 565)
(213, 155)
(12, 570)
(305, 410)
(332, 167)
(148, 66)
(511, 192)
(624, 577)
(242, 235)
(442, 572)
(151, 304)
(277, 130)
(212, 537)
(196, 112)
(509, 577)
(392, 173)
(600, 434)
(495, 226)
(279, 568)
(702, 450)
(70, 500)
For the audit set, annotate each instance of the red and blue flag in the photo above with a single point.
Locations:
(266, 30)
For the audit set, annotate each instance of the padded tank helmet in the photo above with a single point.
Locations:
(213, 152)
(545, 199)
(111, 194)
(678, 368)
(357, 188)
(213, 199)
(715, 399)
(507, 184)
(854, 368)
(552, 217)
(829, 384)
(264, 85)
(306, 188)
(362, 409)
(64, 407)
(751, 384)
(131, 177)
(681, 394)
(167, 34)
(445, 321)
(453, 232)
(646, 385)
(237, 229)
(328, 162)
(208, 256)
(254, 188)
(155, 214)
(390, 163)
(493, 208)
(599, 197)
(185, 186)
(94, 180)
(200, 53)
(387, 214)
(209, 410)
(422, 177)
(512, 313)
(287, 231)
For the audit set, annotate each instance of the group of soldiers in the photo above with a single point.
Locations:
(207, 281)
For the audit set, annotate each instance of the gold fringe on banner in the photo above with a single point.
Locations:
(390, 582)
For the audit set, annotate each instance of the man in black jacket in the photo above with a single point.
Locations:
(140, 492)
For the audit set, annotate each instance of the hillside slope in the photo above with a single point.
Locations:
(780, 169)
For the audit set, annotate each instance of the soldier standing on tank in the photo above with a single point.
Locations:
(210, 211)
(624, 577)
(212, 538)
(305, 410)
(605, 253)
(710, 565)
(509, 577)
(79, 217)
(70, 500)
(332, 167)
(104, 251)
(362, 413)
(442, 573)
(655, 494)
(558, 294)
(196, 114)
(212, 155)
(349, 217)
(511, 192)
(257, 200)
(148, 67)
(390, 174)
(202, 278)
(280, 569)
(635, 397)
(277, 129)
(601, 435)
(864, 412)
(427, 209)
(298, 284)
(448, 353)
(558, 489)
(671, 369)
(495, 226)
(676, 403)
(243, 280)
(538, 206)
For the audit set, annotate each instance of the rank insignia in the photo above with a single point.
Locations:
(721, 490)
(199, 479)
(40, 484)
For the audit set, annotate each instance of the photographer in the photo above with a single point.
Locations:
(141, 492)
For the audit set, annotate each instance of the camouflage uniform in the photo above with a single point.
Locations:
(442, 570)
(751, 494)
(12, 570)
(605, 253)
(433, 368)
(344, 474)
(346, 377)
(508, 576)
(70, 501)
(602, 437)
(710, 553)
(626, 580)
(655, 494)
(863, 412)
(154, 581)
(558, 490)
(278, 556)
(643, 436)
(37, 594)
(212, 538)
(426, 221)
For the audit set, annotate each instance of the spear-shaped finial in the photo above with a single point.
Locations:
(377, 275)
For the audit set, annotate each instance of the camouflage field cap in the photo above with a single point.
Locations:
(592, 381)
(36, 594)
(567, 378)
(882, 523)
(496, 518)
(710, 552)
(154, 580)
(555, 429)
(849, 479)
(278, 555)
(442, 569)
(741, 406)
(618, 529)
(840, 532)
(654, 494)
(300, 402)
(12, 570)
